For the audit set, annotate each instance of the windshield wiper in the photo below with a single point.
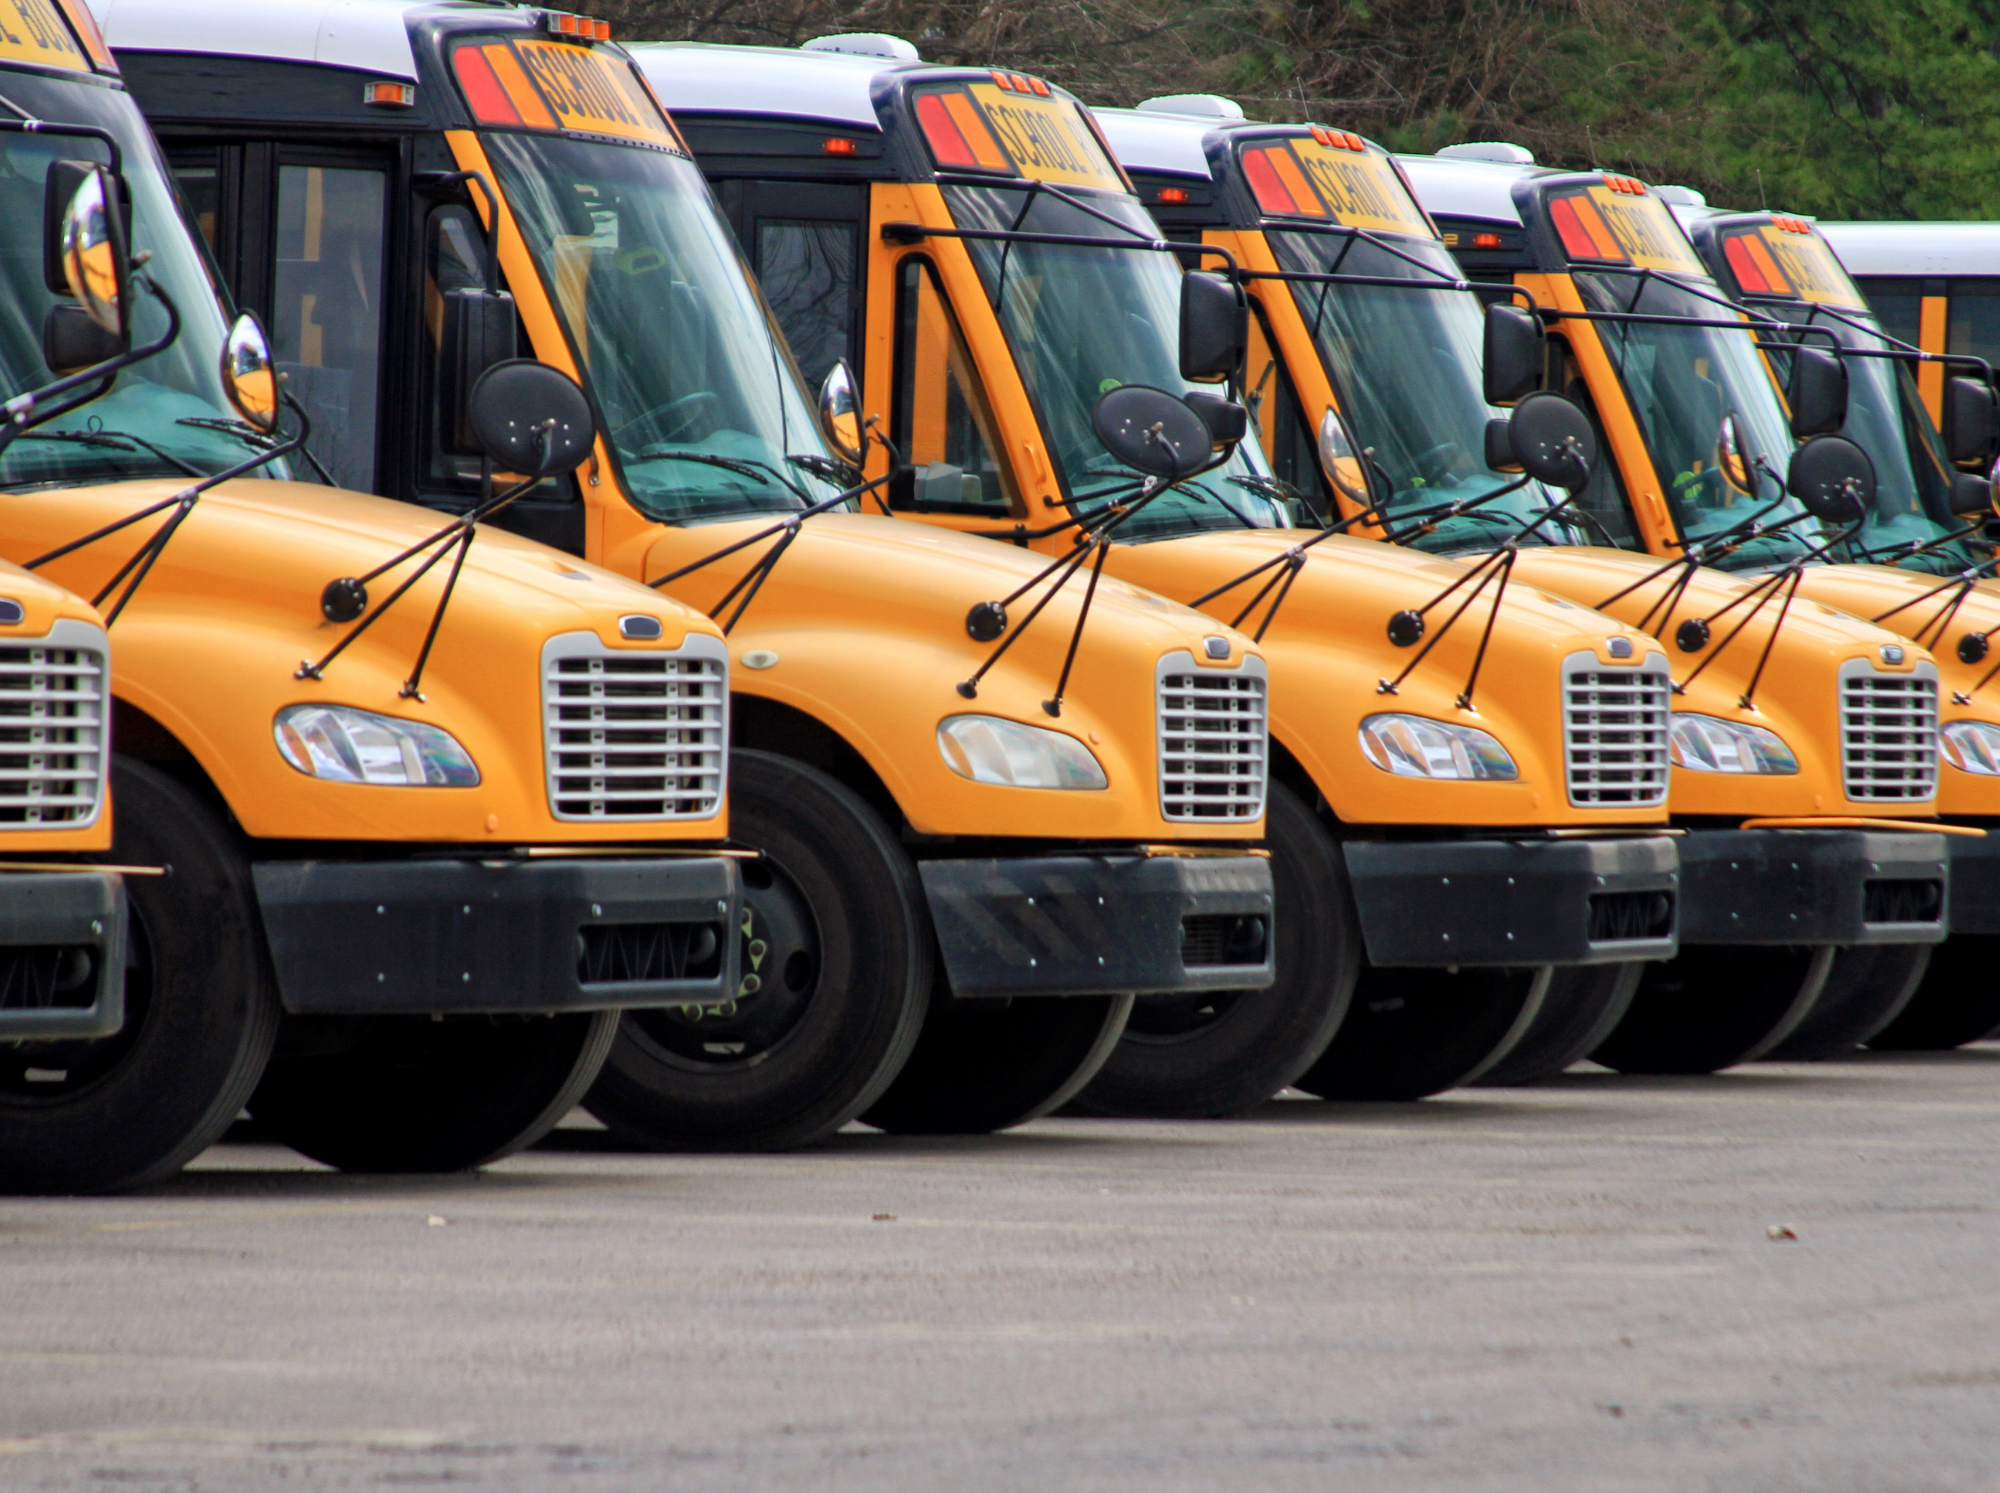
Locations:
(742, 466)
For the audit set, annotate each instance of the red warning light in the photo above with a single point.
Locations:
(1172, 195)
(835, 145)
(1485, 240)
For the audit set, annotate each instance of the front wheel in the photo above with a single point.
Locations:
(986, 1065)
(1956, 1002)
(417, 1095)
(1867, 988)
(1584, 1005)
(1221, 1052)
(1712, 1006)
(201, 1011)
(838, 961)
(1415, 1032)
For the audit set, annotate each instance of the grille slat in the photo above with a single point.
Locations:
(634, 735)
(53, 737)
(1888, 734)
(1213, 742)
(1615, 733)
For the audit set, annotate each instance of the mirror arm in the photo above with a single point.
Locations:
(79, 131)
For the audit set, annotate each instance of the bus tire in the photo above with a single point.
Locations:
(1584, 1005)
(838, 942)
(1867, 988)
(201, 1012)
(1415, 1032)
(1712, 1006)
(414, 1094)
(986, 1065)
(1956, 1002)
(1222, 1052)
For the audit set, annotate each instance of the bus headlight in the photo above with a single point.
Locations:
(1971, 746)
(988, 749)
(345, 745)
(1707, 743)
(1414, 746)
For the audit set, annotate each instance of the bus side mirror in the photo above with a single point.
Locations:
(249, 377)
(93, 251)
(1514, 353)
(840, 414)
(530, 418)
(71, 341)
(1151, 431)
(1215, 327)
(1971, 495)
(1969, 423)
(1553, 441)
(1817, 392)
(1227, 421)
(1832, 478)
(477, 335)
(1500, 445)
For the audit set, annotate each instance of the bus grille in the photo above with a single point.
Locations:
(54, 719)
(635, 734)
(1615, 733)
(1213, 740)
(1888, 733)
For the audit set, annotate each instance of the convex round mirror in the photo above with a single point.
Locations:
(1339, 458)
(840, 413)
(1833, 478)
(96, 259)
(1151, 431)
(530, 418)
(1553, 440)
(249, 377)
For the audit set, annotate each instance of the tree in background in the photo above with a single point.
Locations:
(1840, 108)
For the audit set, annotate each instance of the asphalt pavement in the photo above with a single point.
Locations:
(1776, 1278)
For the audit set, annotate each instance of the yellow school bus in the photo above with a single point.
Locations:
(958, 888)
(1441, 815)
(1365, 320)
(375, 895)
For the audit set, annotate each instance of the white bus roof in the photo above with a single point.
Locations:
(697, 77)
(1467, 189)
(371, 35)
(1151, 141)
(1916, 249)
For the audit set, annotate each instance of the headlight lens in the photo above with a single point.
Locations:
(1971, 746)
(988, 749)
(1412, 746)
(345, 745)
(1707, 743)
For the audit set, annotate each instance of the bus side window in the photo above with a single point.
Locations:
(1289, 439)
(806, 270)
(940, 417)
(1607, 511)
(326, 308)
(1974, 319)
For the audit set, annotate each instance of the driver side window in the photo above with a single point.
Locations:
(1607, 511)
(940, 417)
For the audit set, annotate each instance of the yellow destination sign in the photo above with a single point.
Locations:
(589, 92)
(1811, 268)
(1360, 188)
(1047, 139)
(33, 31)
(1646, 231)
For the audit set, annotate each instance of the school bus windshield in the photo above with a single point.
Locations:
(1084, 320)
(1404, 365)
(1718, 434)
(702, 405)
(163, 417)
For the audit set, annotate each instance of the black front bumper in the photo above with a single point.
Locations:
(1432, 903)
(377, 938)
(62, 954)
(1102, 924)
(1975, 883)
(1815, 886)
